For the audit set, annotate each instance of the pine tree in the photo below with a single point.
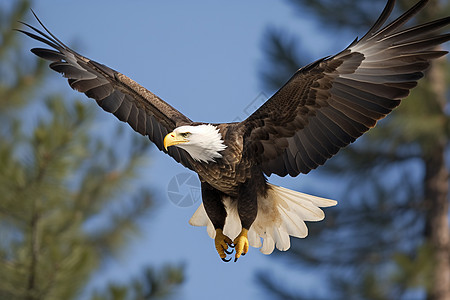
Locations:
(67, 198)
(389, 237)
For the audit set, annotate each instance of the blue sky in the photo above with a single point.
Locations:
(202, 57)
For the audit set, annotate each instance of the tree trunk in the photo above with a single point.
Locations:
(436, 228)
(437, 232)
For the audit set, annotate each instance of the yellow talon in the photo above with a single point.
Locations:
(222, 242)
(241, 244)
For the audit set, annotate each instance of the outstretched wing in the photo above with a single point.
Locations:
(130, 102)
(328, 104)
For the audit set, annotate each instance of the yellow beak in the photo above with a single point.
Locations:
(172, 139)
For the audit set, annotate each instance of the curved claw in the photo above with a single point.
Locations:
(226, 260)
(228, 252)
(235, 260)
(232, 245)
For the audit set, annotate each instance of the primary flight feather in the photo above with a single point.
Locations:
(323, 107)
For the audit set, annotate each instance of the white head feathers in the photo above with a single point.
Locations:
(204, 142)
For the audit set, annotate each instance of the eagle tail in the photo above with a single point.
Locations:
(281, 213)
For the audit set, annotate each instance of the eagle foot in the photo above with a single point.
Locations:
(241, 244)
(222, 242)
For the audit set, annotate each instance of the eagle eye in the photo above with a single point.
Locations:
(185, 134)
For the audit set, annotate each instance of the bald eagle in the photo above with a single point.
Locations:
(322, 108)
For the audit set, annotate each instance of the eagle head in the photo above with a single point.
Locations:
(203, 142)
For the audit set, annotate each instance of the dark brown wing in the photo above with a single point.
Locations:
(145, 112)
(328, 104)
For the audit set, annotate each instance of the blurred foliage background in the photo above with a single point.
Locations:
(389, 236)
(387, 239)
(54, 187)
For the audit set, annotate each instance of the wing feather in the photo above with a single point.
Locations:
(331, 102)
(114, 92)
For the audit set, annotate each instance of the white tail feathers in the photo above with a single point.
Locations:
(281, 213)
